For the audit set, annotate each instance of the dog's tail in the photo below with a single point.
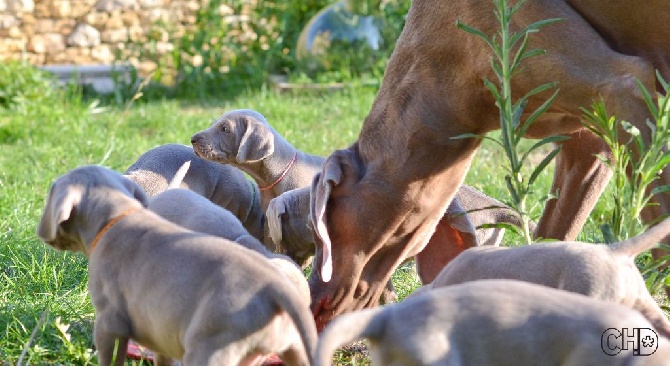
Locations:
(290, 301)
(647, 240)
(346, 328)
(179, 175)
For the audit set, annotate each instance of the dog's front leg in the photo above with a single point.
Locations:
(112, 348)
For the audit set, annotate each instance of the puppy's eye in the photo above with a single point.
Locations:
(225, 128)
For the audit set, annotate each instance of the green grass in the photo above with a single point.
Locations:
(44, 141)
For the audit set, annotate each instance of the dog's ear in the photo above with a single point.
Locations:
(257, 143)
(179, 176)
(322, 185)
(276, 208)
(459, 221)
(61, 200)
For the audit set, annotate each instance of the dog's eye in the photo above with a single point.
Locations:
(225, 128)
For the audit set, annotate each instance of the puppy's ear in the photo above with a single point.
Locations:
(257, 143)
(62, 199)
(276, 208)
(322, 185)
(460, 222)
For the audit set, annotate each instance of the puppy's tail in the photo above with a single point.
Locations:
(179, 175)
(346, 328)
(647, 240)
(289, 300)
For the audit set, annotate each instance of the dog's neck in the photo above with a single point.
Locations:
(282, 174)
(108, 226)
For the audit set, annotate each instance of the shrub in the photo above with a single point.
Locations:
(238, 44)
(23, 87)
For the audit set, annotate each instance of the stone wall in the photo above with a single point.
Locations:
(86, 32)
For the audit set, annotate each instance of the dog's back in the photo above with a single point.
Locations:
(224, 185)
(489, 322)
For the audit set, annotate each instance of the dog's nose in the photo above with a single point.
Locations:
(194, 139)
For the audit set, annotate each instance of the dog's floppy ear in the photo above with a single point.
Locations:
(460, 221)
(276, 208)
(257, 143)
(61, 200)
(323, 183)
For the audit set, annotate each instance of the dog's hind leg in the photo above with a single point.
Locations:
(579, 179)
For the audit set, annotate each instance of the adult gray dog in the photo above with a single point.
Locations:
(224, 185)
(497, 322)
(377, 202)
(183, 294)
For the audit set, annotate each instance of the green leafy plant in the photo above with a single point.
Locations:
(75, 351)
(636, 164)
(237, 45)
(509, 50)
(23, 86)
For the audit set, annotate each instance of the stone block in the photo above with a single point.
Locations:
(114, 5)
(155, 16)
(28, 18)
(8, 45)
(84, 35)
(36, 59)
(46, 43)
(42, 10)
(79, 8)
(147, 4)
(20, 6)
(65, 26)
(114, 35)
(61, 9)
(102, 53)
(96, 19)
(130, 19)
(45, 25)
(8, 21)
(78, 53)
(11, 32)
(115, 21)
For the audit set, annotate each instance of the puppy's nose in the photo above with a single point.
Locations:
(194, 139)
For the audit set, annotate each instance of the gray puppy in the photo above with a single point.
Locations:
(244, 139)
(224, 185)
(495, 322)
(288, 222)
(194, 212)
(606, 272)
(185, 295)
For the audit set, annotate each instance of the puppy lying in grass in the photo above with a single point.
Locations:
(185, 295)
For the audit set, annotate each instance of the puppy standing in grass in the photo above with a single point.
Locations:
(244, 139)
(194, 212)
(605, 272)
(185, 295)
(493, 322)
